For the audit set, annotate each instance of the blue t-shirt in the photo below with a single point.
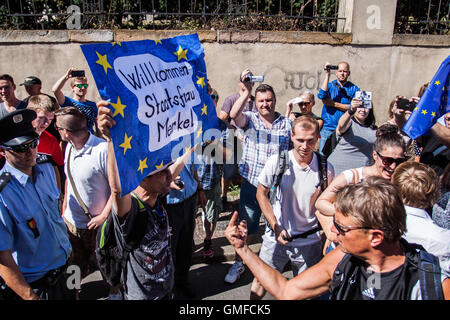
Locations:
(31, 225)
(190, 186)
(331, 115)
(89, 109)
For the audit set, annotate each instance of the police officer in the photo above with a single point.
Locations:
(34, 246)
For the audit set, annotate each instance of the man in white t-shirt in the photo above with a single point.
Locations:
(294, 229)
(85, 157)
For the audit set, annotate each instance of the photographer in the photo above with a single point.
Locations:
(79, 85)
(336, 97)
(356, 132)
(305, 103)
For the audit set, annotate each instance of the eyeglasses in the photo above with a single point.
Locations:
(59, 128)
(82, 85)
(23, 147)
(388, 161)
(214, 96)
(344, 229)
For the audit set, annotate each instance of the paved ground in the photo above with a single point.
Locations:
(206, 276)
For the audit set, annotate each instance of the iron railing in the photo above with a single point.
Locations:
(422, 17)
(308, 15)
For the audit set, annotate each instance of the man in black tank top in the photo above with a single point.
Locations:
(372, 262)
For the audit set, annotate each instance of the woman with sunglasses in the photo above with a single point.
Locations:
(355, 131)
(388, 153)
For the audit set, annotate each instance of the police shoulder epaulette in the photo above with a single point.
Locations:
(43, 158)
(4, 179)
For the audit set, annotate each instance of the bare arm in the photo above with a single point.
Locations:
(14, 278)
(121, 205)
(442, 133)
(262, 195)
(345, 120)
(308, 284)
(236, 111)
(59, 84)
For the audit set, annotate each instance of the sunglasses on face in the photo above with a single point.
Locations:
(23, 147)
(214, 96)
(388, 161)
(82, 85)
(344, 229)
(304, 103)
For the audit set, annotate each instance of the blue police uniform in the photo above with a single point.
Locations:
(31, 225)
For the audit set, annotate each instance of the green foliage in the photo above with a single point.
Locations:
(412, 16)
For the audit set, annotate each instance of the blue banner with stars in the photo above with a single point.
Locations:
(157, 91)
(432, 105)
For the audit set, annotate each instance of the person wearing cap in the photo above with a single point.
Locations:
(33, 86)
(149, 273)
(79, 87)
(7, 95)
(35, 248)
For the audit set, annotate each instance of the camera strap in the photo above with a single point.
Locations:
(75, 191)
(343, 92)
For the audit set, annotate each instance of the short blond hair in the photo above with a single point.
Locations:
(417, 184)
(307, 122)
(42, 102)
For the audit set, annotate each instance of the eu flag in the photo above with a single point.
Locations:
(157, 91)
(433, 104)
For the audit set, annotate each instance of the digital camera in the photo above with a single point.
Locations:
(365, 97)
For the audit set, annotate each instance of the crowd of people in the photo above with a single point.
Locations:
(345, 201)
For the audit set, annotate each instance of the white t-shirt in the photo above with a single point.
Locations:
(89, 173)
(294, 207)
(422, 230)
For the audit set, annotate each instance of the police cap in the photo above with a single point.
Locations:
(16, 128)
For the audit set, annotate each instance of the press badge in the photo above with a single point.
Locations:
(33, 227)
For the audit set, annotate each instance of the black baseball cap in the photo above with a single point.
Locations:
(29, 81)
(16, 128)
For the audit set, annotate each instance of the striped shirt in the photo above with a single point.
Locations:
(261, 142)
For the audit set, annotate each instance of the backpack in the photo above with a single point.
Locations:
(427, 266)
(282, 166)
(114, 244)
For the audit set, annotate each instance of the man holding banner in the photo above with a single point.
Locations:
(160, 108)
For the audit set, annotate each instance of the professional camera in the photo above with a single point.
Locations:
(365, 97)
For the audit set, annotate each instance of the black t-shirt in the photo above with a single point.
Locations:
(353, 281)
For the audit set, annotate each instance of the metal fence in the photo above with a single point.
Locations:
(422, 17)
(412, 16)
(309, 15)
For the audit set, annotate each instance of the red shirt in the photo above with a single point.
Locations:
(49, 144)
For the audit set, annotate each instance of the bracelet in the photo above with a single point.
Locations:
(350, 111)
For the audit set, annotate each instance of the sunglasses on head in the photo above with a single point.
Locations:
(82, 85)
(388, 161)
(23, 147)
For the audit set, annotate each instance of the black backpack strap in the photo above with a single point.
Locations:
(323, 171)
(430, 277)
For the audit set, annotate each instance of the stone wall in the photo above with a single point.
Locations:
(290, 61)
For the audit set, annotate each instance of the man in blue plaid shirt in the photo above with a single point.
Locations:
(266, 132)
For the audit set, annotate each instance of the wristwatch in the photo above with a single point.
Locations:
(350, 111)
